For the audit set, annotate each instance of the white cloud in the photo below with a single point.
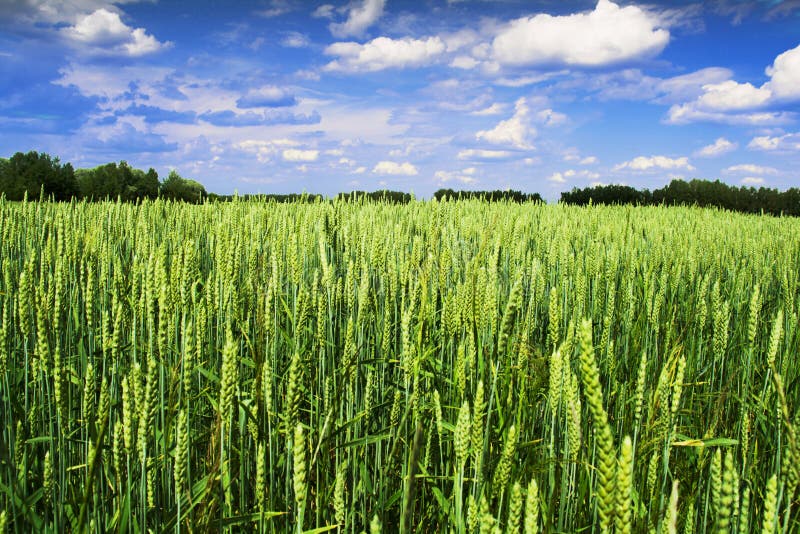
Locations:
(295, 40)
(732, 96)
(733, 102)
(308, 75)
(293, 154)
(633, 84)
(494, 109)
(752, 180)
(609, 34)
(516, 131)
(473, 153)
(465, 176)
(264, 150)
(588, 160)
(461, 39)
(548, 117)
(642, 163)
(787, 142)
(530, 79)
(688, 113)
(688, 86)
(785, 75)
(279, 7)
(266, 96)
(383, 53)
(464, 62)
(717, 148)
(748, 168)
(325, 11)
(395, 169)
(104, 33)
(561, 177)
(359, 18)
(110, 83)
(50, 11)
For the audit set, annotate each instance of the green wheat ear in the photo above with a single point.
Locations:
(375, 525)
(624, 513)
(770, 513)
(606, 458)
(532, 508)
(299, 473)
(515, 509)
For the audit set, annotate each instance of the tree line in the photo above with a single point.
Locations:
(490, 196)
(29, 175)
(703, 193)
(33, 174)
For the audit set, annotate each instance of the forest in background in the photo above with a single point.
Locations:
(36, 174)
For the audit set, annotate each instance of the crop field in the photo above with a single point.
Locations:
(429, 367)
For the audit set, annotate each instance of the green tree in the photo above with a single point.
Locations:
(176, 187)
(35, 172)
(111, 181)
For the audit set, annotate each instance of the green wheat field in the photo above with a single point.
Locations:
(353, 366)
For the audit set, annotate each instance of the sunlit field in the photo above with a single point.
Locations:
(429, 367)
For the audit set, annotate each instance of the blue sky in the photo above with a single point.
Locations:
(285, 96)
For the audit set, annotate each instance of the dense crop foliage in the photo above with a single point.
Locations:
(453, 366)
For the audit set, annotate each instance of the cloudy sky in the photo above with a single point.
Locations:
(288, 95)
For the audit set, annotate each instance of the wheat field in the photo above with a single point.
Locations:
(354, 366)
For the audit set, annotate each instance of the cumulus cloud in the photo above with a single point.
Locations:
(733, 102)
(464, 62)
(383, 53)
(359, 17)
(691, 85)
(607, 35)
(731, 95)
(588, 160)
(267, 96)
(749, 168)
(752, 180)
(395, 169)
(717, 148)
(785, 75)
(516, 131)
(787, 142)
(642, 163)
(103, 32)
(294, 154)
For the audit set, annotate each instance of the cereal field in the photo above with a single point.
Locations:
(428, 367)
